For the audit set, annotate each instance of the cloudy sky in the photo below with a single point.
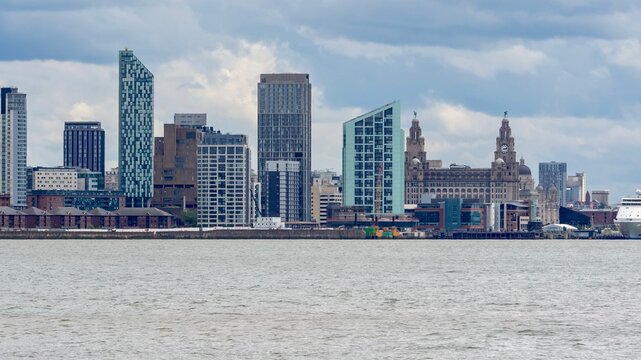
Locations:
(568, 71)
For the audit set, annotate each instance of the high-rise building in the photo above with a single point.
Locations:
(175, 167)
(285, 128)
(554, 173)
(84, 145)
(282, 190)
(224, 185)
(373, 175)
(13, 145)
(135, 128)
(576, 189)
(415, 164)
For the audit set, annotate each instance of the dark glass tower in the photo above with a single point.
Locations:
(135, 129)
(285, 129)
(84, 146)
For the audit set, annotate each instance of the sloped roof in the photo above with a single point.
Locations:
(141, 212)
(34, 211)
(66, 211)
(7, 210)
(99, 212)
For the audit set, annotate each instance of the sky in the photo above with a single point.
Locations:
(568, 72)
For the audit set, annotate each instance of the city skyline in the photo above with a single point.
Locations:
(569, 87)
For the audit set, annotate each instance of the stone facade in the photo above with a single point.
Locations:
(499, 183)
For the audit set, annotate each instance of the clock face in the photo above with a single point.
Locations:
(504, 148)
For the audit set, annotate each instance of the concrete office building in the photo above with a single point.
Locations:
(373, 175)
(135, 128)
(190, 120)
(224, 184)
(554, 173)
(13, 145)
(576, 189)
(285, 128)
(602, 197)
(63, 178)
(112, 180)
(84, 145)
(323, 196)
(175, 166)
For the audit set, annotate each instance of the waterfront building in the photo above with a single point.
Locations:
(136, 125)
(602, 197)
(554, 173)
(415, 164)
(373, 174)
(112, 180)
(285, 128)
(63, 178)
(84, 145)
(282, 190)
(13, 145)
(224, 184)
(323, 196)
(175, 165)
(576, 189)
(190, 120)
(84, 200)
(496, 184)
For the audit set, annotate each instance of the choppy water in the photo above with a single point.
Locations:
(320, 299)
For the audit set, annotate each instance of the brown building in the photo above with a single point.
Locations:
(5, 200)
(73, 218)
(175, 177)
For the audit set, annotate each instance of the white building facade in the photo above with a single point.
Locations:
(224, 185)
(13, 146)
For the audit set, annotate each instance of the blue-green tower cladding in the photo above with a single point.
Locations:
(135, 129)
(373, 158)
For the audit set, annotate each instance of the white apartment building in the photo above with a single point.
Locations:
(224, 186)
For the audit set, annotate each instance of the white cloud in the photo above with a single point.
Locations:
(512, 58)
(626, 53)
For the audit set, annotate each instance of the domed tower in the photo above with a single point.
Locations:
(526, 182)
(415, 163)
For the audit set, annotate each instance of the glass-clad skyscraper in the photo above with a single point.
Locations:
(285, 129)
(84, 145)
(373, 155)
(13, 145)
(135, 128)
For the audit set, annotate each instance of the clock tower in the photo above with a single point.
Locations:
(505, 167)
(505, 143)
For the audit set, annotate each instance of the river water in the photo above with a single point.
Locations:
(320, 299)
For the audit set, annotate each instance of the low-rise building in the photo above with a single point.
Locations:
(84, 200)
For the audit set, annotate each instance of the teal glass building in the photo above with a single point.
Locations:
(135, 130)
(373, 161)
